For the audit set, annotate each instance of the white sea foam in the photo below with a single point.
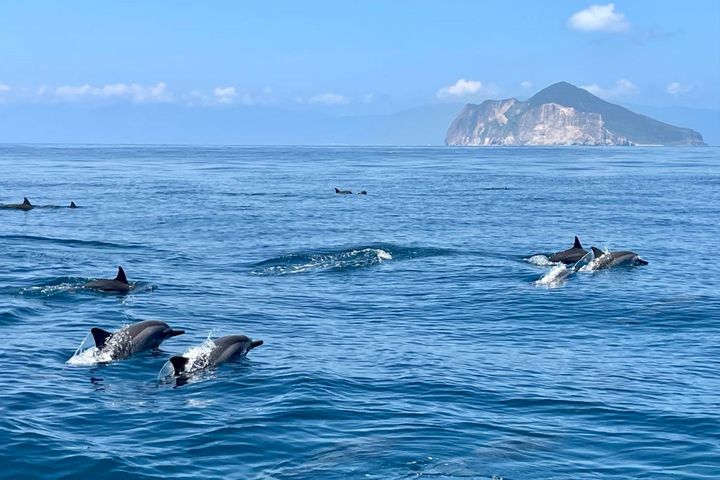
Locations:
(555, 277)
(541, 260)
(198, 358)
(88, 354)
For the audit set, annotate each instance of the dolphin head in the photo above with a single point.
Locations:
(255, 343)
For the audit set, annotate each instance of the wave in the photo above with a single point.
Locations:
(342, 259)
(70, 241)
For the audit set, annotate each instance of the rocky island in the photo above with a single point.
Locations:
(561, 114)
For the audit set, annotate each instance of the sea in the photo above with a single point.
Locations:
(418, 331)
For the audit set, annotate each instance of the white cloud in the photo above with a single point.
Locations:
(621, 88)
(225, 94)
(461, 88)
(328, 99)
(133, 92)
(675, 88)
(599, 18)
(526, 84)
(4, 88)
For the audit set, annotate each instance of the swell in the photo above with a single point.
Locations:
(71, 242)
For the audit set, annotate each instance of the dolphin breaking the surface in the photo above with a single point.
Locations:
(26, 205)
(224, 349)
(135, 338)
(614, 259)
(117, 284)
(572, 255)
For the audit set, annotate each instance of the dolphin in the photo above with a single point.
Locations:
(225, 349)
(118, 284)
(615, 259)
(342, 192)
(571, 255)
(132, 339)
(362, 192)
(26, 205)
(72, 205)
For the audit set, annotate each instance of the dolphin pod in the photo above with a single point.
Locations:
(118, 284)
(26, 205)
(224, 349)
(133, 339)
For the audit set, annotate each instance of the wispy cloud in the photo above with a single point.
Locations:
(465, 88)
(526, 84)
(622, 88)
(4, 88)
(599, 18)
(676, 88)
(224, 94)
(134, 92)
(328, 99)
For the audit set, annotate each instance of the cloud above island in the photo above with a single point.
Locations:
(599, 18)
(622, 88)
(134, 92)
(465, 88)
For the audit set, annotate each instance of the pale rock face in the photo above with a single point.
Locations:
(510, 122)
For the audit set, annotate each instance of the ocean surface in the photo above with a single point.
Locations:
(406, 333)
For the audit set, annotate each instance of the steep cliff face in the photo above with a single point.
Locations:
(561, 115)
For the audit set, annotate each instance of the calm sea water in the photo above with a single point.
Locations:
(404, 334)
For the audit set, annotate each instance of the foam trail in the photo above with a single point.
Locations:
(540, 260)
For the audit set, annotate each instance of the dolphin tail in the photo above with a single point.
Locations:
(597, 252)
(179, 363)
(26, 202)
(255, 343)
(577, 243)
(100, 336)
(175, 333)
(121, 276)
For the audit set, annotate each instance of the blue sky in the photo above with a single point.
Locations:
(355, 57)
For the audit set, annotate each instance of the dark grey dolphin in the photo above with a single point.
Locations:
(342, 192)
(571, 255)
(362, 192)
(135, 338)
(26, 205)
(118, 284)
(615, 259)
(226, 349)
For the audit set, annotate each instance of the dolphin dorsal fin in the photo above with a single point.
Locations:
(577, 243)
(337, 190)
(121, 276)
(100, 336)
(26, 201)
(72, 205)
(179, 363)
(597, 252)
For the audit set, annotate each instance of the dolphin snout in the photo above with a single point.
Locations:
(175, 333)
(255, 343)
(640, 261)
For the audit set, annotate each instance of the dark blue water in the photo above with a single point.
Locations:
(404, 334)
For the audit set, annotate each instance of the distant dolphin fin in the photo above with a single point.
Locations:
(577, 243)
(26, 201)
(100, 336)
(597, 252)
(121, 276)
(337, 190)
(72, 205)
(179, 363)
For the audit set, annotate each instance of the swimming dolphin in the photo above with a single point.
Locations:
(363, 192)
(225, 349)
(132, 339)
(72, 205)
(615, 259)
(571, 255)
(342, 192)
(26, 205)
(118, 284)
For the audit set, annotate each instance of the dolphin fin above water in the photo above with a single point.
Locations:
(26, 202)
(597, 252)
(577, 243)
(121, 276)
(179, 363)
(72, 205)
(100, 336)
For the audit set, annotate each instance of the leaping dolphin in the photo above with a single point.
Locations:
(342, 192)
(132, 339)
(225, 349)
(571, 255)
(615, 259)
(26, 205)
(118, 284)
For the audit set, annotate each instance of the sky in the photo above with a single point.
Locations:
(351, 58)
